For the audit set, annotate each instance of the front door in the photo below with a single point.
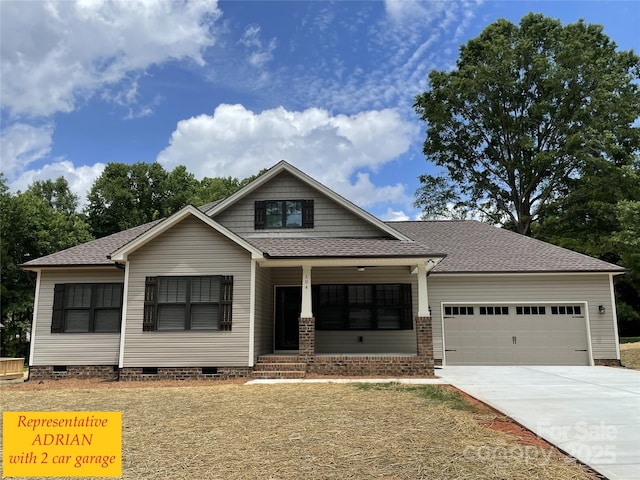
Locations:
(288, 306)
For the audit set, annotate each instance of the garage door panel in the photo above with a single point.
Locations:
(536, 338)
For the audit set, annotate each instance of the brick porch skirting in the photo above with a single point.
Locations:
(110, 372)
(607, 362)
(128, 374)
(363, 365)
(64, 372)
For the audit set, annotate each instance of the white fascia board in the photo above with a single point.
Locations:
(303, 177)
(121, 254)
(346, 262)
(523, 274)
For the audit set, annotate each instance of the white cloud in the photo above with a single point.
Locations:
(237, 142)
(80, 179)
(413, 38)
(394, 216)
(22, 144)
(258, 53)
(55, 53)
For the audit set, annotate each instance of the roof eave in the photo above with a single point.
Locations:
(525, 272)
(33, 268)
(351, 261)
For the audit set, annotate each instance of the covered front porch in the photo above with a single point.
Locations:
(348, 318)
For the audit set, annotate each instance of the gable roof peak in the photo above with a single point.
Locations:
(284, 166)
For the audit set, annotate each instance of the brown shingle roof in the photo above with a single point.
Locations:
(340, 247)
(92, 253)
(474, 247)
(469, 246)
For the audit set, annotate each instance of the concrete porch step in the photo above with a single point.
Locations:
(280, 366)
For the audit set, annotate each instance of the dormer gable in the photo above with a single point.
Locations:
(285, 202)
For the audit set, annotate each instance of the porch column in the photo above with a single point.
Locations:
(307, 324)
(424, 331)
(423, 295)
(306, 292)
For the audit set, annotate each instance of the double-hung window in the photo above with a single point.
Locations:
(188, 303)
(87, 307)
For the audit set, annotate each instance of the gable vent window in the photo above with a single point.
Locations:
(283, 214)
(188, 303)
(531, 310)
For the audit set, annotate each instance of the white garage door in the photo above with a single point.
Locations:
(541, 334)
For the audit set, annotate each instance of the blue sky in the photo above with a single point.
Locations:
(228, 88)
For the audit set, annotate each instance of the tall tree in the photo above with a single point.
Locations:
(527, 109)
(32, 226)
(56, 193)
(125, 196)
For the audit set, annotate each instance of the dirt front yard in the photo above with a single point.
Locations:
(300, 431)
(630, 353)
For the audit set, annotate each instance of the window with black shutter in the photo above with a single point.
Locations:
(87, 307)
(188, 303)
(283, 214)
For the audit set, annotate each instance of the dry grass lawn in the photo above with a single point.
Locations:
(298, 431)
(630, 353)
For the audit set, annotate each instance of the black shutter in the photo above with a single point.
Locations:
(150, 307)
(407, 308)
(307, 214)
(226, 301)
(57, 320)
(260, 215)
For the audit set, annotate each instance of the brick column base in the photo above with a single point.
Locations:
(424, 340)
(307, 339)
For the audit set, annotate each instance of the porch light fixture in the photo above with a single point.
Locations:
(360, 269)
(601, 309)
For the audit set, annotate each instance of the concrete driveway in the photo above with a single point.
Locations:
(592, 413)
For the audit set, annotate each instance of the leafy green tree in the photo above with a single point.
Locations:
(527, 109)
(56, 193)
(37, 222)
(125, 196)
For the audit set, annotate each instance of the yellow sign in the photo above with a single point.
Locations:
(57, 444)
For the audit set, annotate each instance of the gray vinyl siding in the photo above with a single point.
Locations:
(330, 218)
(189, 248)
(263, 339)
(72, 348)
(346, 341)
(542, 289)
